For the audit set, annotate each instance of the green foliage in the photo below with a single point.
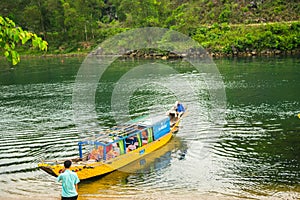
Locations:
(225, 14)
(11, 36)
(78, 25)
(230, 39)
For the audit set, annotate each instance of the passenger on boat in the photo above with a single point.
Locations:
(144, 138)
(95, 155)
(131, 142)
(180, 109)
(111, 154)
(116, 152)
(173, 111)
(131, 147)
(135, 142)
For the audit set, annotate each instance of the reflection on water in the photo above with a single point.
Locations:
(254, 155)
(144, 174)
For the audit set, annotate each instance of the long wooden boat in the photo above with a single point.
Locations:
(117, 147)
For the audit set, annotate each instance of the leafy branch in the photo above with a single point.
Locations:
(11, 36)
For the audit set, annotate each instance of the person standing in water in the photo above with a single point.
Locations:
(69, 181)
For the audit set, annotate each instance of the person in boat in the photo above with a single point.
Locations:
(131, 147)
(173, 111)
(132, 143)
(69, 181)
(179, 109)
(96, 154)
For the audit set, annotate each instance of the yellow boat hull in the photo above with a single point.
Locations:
(87, 170)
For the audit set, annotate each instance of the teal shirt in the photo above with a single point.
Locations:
(68, 179)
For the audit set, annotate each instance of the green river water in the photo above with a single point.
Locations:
(253, 154)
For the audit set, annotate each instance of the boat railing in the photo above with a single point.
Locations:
(121, 139)
(113, 146)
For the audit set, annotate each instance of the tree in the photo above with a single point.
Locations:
(140, 13)
(11, 36)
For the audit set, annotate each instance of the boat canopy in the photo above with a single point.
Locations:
(124, 138)
(159, 124)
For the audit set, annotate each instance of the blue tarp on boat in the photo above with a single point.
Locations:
(160, 125)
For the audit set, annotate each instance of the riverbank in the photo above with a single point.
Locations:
(170, 55)
(219, 40)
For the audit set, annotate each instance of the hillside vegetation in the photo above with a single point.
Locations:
(222, 27)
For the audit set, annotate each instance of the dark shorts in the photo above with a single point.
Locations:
(69, 198)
